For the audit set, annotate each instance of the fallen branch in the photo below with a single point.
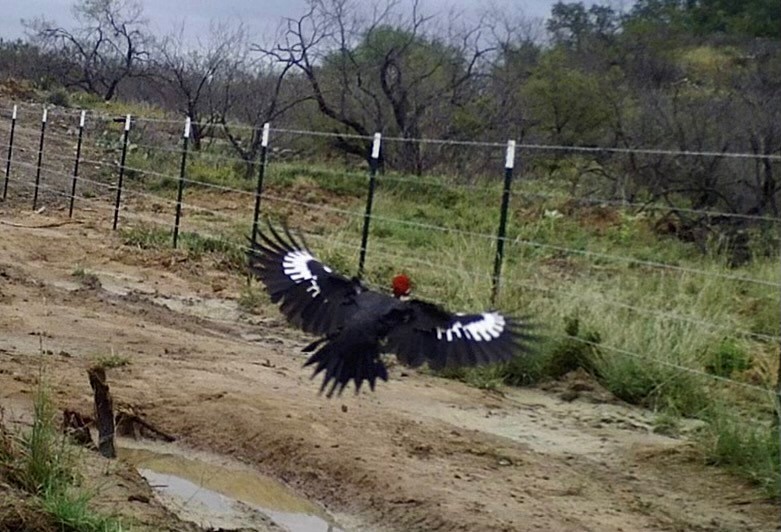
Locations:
(133, 426)
(44, 226)
(77, 427)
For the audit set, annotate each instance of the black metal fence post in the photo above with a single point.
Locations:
(777, 400)
(40, 158)
(509, 163)
(125, 136)
(373, 164)
(261, 173)
(76, 164)
(182, 169)
(10, 153)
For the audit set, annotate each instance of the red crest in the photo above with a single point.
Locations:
(401, 285)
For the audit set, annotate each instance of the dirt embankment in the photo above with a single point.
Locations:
(419, 454)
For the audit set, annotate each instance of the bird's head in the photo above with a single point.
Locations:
(402, 287)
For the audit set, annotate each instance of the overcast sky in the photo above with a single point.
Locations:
(257, 14)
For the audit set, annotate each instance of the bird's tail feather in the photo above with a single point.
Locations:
(344, 361)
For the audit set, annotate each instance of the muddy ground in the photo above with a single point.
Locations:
(422, 453)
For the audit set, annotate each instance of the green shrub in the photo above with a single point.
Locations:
(747, 446)
(528, 368)
(252, 297)
(336, 181)
(654, 386)
(727, 358)
(576, 350)
(146, 237)
(59, 97)
(112, 360)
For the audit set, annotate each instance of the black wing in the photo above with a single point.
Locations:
(431, 334)
(312, 296)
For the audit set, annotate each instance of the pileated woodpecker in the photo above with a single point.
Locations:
(356, 324)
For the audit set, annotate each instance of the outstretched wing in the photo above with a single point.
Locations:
(312, 296)
(431, 334)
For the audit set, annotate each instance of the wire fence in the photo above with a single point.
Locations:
(59, 158)
(98, 204)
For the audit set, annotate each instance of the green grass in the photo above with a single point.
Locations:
(85, 278)
(71, 511)
(227, 251)
(42, 464)
(252, 298)
(147, 237)
(46, 464)
(112, 360)
(747, 445)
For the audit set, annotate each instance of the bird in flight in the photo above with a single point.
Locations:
(356, 324)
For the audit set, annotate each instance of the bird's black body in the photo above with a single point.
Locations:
(357, 324)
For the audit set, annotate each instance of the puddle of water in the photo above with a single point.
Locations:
(223, 496)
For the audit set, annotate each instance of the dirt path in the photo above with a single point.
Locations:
(419, 454)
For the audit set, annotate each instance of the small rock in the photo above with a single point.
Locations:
(569, 396)
(344, 408)
(582, 387)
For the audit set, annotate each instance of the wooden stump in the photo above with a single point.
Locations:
(104, 411)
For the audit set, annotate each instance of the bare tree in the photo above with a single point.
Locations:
(107, 46)
(758, 122)
(262, 92)
(517, 40)
(390, 70)
(196, 73)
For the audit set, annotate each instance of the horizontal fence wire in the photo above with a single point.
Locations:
(512, 282)
(95, 202)
(34, 134)
(529, 146)
(439, 228)
(518, 192)
(596, 345)
(645, 206)
(455, 142)
(396, 179)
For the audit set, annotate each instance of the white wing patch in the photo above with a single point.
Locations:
(489, 327)
(294, 264)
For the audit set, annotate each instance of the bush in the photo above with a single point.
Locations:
(576, 350)
(746, 446)
(727, 358)
(59, 97)
(145, 237)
